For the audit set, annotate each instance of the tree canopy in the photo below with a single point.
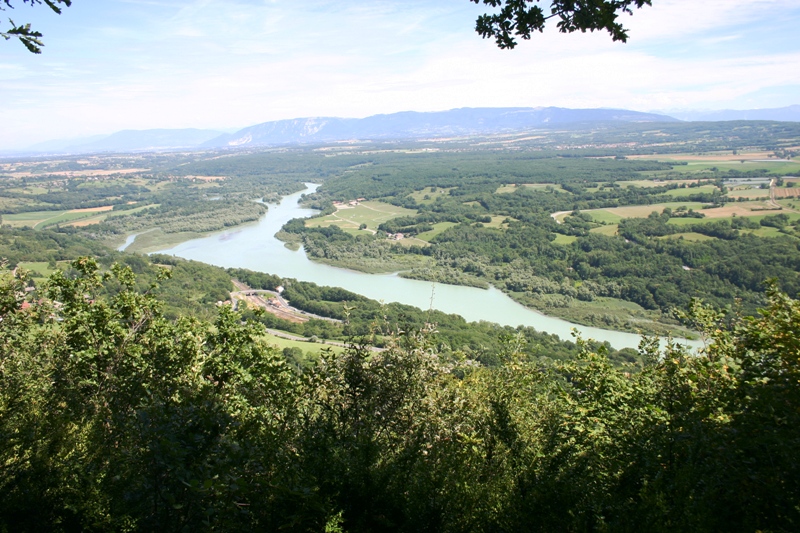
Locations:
(520, 18)
(511, 19)
(30, 38)
(115, 418)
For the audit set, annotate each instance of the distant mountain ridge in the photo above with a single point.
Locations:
(416, 125)
(782, 114)
(131, 141)
(410, 125)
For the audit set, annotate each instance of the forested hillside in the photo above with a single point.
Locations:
(560, 230)
(117, 418)
(140, 393)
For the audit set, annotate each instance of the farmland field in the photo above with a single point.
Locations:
(565, 239)
(748, 192)
(41, 219)
(609, 230)
(731, 210)
(428, 195)
(314, 347)
(689, 236)
(708, 189)
(349, 219)
(509, 188)
(437, 229)
(656, 183)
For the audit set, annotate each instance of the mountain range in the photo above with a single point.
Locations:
(414, 125)
(131, 141)
(409, 125)
(783, 114)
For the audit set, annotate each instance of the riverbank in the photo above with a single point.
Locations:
(601, 312)
(255, 247)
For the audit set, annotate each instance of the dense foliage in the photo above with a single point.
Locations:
(489, 218)
(116, 418)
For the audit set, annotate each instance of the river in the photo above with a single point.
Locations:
(255, 247)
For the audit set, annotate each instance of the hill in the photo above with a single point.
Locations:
(415, 125)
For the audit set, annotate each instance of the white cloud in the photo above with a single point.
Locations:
(208, 63)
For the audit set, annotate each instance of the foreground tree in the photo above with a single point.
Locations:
(30, 38)
(511, 19)
(113, 418)
(520, 18)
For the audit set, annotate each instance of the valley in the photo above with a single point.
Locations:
(560, 231)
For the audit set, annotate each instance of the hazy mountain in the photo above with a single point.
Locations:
(61, 145)
(414, 125)
(783, 114)
(130, 141)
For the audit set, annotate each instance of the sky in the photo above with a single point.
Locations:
(109, 65)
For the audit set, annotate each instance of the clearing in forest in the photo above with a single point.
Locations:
(428, 195)
(509, 188)
(42, 219)
(350, 218)
(438, 228)
(755, 210)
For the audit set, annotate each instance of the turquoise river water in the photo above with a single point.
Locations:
(255, 247)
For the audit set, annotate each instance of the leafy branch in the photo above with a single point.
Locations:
(31, 39)
(520, 18)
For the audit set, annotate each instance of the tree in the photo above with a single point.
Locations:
(515, 19)
(30, 38)
(520, 18)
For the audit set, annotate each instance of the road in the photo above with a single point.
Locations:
(274, 303)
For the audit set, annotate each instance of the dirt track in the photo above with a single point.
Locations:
(272, 302)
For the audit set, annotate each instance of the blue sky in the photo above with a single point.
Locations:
(137, 64)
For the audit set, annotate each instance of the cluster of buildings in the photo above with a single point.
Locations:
(350, 203)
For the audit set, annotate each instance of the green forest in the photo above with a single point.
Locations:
(116, 417)
(496, 215)
(138, 394)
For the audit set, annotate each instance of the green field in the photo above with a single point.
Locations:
(765, 231)
(498, 222)
(42, 219)
(748, 192)
(109, 214)
(775, 168)
(314, 347)
(69, 216)
(653, 183)
(428, 195)
(40, 269)
(507, 189)
(604, 216)
(676, 193)
(756, 217)
(437, 229)
(608, 229)
(30, 219)
(564, 239)
(689, 236)
(372, 214)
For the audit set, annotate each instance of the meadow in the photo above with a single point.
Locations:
(350, 218)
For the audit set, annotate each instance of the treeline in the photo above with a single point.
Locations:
(26, 244)
(370, 320)
(398, 175)
(523, 257)
(194, 289)
(189, 215)
(114, 417)
(75, 196)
